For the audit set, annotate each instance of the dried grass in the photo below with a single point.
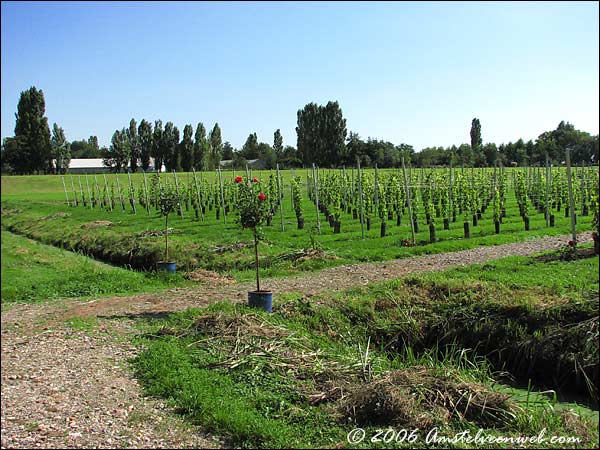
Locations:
(421, 397)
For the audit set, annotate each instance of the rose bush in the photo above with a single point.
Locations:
(253, 209)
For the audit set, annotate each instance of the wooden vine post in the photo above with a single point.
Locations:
(222, 196)
(74, 192)
(81, 190)
(120, 193)
(316, 191)
(406, 187)
(65, 187)
(198, 195)
(146, 193)
(547, 192)
(110, 200)
(131, 196)
(360, 200)
(178, 195)
(89, 192)
(571, 200)
(279, 190)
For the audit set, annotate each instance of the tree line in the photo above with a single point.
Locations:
(322, 139)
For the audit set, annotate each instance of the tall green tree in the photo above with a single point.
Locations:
(170, 147)
(93, 144)
(321, 132)
(134, 145)
(475, 136)
(119, 153)
(201, 147)
(278, 144)
(186, 149)
(250, 148)
(216, 146)
(333, 131)
(228, 151)
(146, 143)
(32, 134)
(157, 145)
(61, 151)
(10, 155)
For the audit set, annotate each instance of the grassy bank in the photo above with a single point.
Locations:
(316, 368)
(33, 272)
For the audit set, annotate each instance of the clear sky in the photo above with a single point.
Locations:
(416, 73)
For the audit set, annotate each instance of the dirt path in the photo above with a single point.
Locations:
(68, 388)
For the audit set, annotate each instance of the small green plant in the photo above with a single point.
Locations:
(168, 202)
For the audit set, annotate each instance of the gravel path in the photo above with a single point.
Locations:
(68, 388)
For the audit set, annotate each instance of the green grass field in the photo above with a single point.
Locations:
(31, 204)
(35, 272)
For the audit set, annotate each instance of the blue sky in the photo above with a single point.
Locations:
(407, 72)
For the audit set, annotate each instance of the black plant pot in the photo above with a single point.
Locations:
(478, 215)
(354, 214)
(368, 223)
(566, 211)
(300, 223)
(596, 238)
(474, 220)
(337, 227)
(382, 231)
(432, 238)
(497, 226)
(526, 221)
(467, 229)
(398, 220)
(446, 224)
(390, 216)
(416, 226)
(167, 266)
(551, 220)
(585, 211)
(261, 299)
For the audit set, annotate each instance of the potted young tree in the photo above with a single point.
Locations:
(253, 209)
(168, 202)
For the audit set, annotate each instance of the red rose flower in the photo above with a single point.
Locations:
(570, 243)
(238, 179)
(255, 180)
(262, 197)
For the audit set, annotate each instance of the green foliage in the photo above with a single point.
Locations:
(321, 134)
(61, 150)
(30, 150)
(252, 209)
(169, 200)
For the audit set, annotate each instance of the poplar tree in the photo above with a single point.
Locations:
(201, 147)
(61, 150)
(134, 145)
(157, 145)
(32, 134)
(170, 147)
(216, 146)
(146, 140)
(186, 149)
(278, 144)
